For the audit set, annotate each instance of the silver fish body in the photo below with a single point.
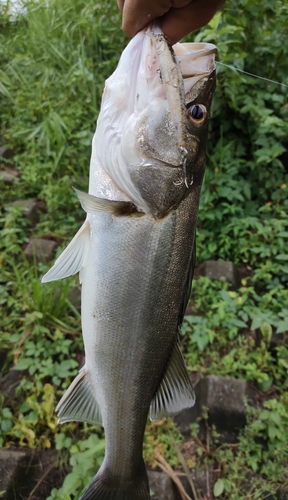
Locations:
(136, 254)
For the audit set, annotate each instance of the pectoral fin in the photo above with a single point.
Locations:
(93, 205)
(175, 392)
(72, 258)
(79, 403)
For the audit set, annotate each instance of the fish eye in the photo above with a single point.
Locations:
(197, 114)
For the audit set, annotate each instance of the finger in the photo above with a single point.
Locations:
(120, 4)
(178, 23)
(138, 13)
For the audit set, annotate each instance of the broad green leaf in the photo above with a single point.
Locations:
(23, 364)
(282, 256)
(218, 487)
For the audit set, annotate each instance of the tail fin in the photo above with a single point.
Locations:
(104, 487)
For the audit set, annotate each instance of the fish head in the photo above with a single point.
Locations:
(171, 131)
(156, 137)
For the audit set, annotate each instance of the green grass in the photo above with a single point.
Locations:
(53, 65)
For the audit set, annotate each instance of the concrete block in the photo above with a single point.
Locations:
(164, 488)
(22, 473)
(45, 474)
(224, 398)
(42, 249)
(31, 209)
(14, 470)
(220, 270)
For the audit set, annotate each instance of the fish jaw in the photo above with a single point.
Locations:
(171, 77)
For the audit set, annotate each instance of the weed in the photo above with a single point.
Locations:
(54, 60)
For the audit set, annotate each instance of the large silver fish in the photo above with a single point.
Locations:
(136, 251)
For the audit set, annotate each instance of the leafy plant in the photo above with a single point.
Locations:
(54, 60)
(86, 457)
(158, 439)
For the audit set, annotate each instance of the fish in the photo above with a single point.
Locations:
(135, 252)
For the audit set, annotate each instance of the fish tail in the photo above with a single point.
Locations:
(105, 487)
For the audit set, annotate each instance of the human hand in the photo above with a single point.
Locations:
(178, 17)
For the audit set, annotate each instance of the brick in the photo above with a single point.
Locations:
(42, 249)
(220, 270)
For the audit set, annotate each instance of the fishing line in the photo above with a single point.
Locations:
(251, 74)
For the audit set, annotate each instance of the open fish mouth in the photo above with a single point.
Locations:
(144, 120)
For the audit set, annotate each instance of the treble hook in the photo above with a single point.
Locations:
(184, 154)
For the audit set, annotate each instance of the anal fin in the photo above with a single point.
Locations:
(175, 392)
(79, 402)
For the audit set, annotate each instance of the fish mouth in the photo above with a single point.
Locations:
(184, 69)
(196, 60)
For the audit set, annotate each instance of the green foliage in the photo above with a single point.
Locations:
(54, 61)
(225, 320)
(246, 185)
(158, 440)
(255, 465)
(86, 458)
(6, 420)
(35, 419)
(265, 463)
